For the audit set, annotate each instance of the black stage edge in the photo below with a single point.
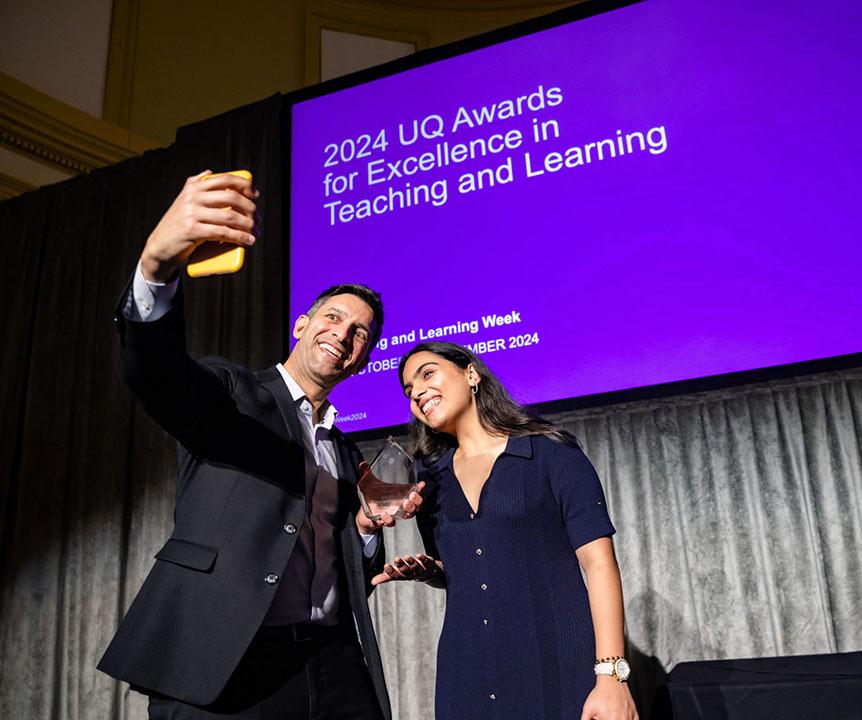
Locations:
(806, 687)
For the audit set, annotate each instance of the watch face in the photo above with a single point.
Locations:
(622, 669)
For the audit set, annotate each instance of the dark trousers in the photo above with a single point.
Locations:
(303, 672)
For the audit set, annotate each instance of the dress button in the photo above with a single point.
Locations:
(290, 529)
(483, 586)
(271, 579)
(485, 621)
(478, 551)
(472, 515)
(492, 696)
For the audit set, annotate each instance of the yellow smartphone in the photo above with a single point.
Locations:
(215, 257)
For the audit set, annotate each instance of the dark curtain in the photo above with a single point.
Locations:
(87, 480)
(739, 512)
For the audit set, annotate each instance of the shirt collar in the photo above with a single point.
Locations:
(517, 446)
(520, 447)
(298, 395)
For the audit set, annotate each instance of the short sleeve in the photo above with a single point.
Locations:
(578, 493)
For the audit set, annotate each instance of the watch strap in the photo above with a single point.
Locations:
(609, 666)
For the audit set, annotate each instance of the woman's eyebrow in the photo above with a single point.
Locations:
(423, 365)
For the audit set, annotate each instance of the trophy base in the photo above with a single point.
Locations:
(384, 499)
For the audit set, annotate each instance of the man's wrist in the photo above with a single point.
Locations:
(157, 271)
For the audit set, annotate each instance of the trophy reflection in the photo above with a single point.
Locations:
(388, 482)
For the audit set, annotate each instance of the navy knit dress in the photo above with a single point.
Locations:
(517, 640)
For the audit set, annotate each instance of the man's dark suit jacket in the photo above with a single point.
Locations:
(239, 507)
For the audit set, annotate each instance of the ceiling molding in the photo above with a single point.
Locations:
(480, 6)
(52, 132)
(500, 12)
(12, 187)
(423, 23)
(350, 22)
(120, 75)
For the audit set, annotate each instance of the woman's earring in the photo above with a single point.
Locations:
(474, 389)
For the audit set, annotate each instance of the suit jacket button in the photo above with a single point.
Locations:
(290, 529)
(271, 579)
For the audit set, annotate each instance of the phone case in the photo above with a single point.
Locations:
(214, 257)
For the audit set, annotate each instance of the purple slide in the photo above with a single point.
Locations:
(661, 192)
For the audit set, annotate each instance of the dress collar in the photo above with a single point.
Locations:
(517, 446)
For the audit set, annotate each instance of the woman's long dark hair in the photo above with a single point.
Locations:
(498, 413)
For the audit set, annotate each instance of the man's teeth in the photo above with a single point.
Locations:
(332, 351)
(430, 405)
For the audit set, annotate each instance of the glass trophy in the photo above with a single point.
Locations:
(388, 482)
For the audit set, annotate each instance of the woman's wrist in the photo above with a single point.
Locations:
(435, 578)
(607, 680)
(613, 666)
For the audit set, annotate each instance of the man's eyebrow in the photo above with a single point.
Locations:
(338, 311)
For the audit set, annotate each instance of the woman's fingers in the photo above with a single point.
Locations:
(413, 567)
(397, 569)
(379, 579)
(408, 567)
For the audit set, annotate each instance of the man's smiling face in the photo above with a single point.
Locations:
(335, 341)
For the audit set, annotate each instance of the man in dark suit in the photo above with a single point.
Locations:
(257, 604)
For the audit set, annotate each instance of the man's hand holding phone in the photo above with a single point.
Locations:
(209, 207)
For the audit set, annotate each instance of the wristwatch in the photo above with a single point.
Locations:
(616, 666)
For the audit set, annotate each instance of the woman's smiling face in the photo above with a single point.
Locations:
(438, 390)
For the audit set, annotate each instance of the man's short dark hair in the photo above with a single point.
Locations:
(364, 293)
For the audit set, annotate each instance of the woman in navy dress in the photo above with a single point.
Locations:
(513, 514)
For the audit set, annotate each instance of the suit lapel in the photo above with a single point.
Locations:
(346, 463)
(272, 380)
(348, 539)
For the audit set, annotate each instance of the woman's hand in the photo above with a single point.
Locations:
(609, 700)
(420, 568)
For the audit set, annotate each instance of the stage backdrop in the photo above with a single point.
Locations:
(739, 512)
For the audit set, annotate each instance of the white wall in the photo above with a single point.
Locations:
(57, 47)
(342, 52)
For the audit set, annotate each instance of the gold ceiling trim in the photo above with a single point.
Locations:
(480, 6)
(56, 134)
(12, 187)
(120, 75)
(506, 11)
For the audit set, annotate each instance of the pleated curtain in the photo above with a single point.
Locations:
(739, 532)
(738, 512)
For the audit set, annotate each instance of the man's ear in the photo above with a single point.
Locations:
(299, 326)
